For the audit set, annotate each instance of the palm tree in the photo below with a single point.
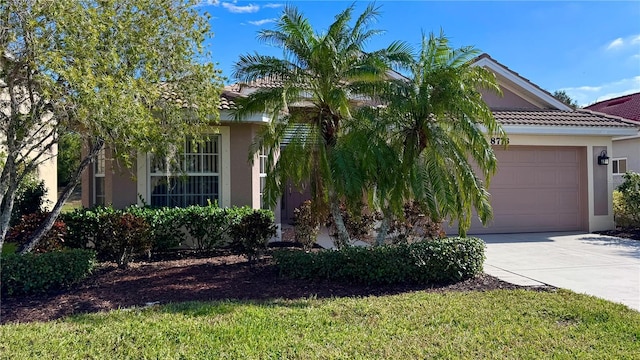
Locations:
(313, 89)
(436, 124)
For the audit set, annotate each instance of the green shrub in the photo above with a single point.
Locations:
(38, 273)
(121, 236)
(206, 225)
(306, 225)
(165, 226)
(416, 225)
(627, 204)
(251, 234)
(83, 226)
(428, 261)
(29, 199)
(52, 240)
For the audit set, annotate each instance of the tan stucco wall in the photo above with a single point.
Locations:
(630, 149)
(120, 185)
(509, 100)
(245, 185)
(594, 183)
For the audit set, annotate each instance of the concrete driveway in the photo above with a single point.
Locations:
(602, 266)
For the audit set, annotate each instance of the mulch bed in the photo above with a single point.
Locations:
(215, 278)
(628, 233)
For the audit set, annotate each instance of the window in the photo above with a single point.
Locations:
(193, 180)
(262, 156)
(619, 166)
(98, 179)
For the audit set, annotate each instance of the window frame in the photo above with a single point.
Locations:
(185, 162)
(616, 161)
(262, 174)
(99, 169)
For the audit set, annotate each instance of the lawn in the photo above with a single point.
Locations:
(494, 324)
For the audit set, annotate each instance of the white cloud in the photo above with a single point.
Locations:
(615, 44)
(246, 9)
(624, 42)
(587, 95)
(273, 6)
(262, 22)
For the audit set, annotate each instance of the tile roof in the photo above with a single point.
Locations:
(577, 118)
(627, 106)
(227, 100)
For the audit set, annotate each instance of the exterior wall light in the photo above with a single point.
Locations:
(603, 159)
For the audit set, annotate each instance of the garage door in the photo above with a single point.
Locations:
(538, 189)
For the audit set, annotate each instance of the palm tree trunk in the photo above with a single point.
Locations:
(343, 235)
(383, 230)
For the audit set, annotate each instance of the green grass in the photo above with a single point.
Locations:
(9, 248)
(495, 324)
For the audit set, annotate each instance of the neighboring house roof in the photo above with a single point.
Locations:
(543, 117)
(627, 106)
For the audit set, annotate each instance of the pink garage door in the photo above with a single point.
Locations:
(537, 189)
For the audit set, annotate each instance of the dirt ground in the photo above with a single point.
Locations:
(215, 278)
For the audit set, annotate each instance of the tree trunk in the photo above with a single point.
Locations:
(343, 235)
(383, 230)
(8, 198)
(68, 190)
(5, 213)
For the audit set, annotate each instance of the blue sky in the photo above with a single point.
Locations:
(590, 49)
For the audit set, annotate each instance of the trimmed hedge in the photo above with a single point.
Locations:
(206, 227)
(429, 261)
(38, 273)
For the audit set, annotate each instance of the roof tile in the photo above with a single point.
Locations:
(627, 106)
(577, 118)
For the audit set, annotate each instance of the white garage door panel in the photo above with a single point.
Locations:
(536, 189)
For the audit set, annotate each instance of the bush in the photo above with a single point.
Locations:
(251, 234)
(121, 236)
(83, 226)
(415, 226)
(53, 239)
(428, 261)
(626, 205)
(358, 222)
(206, 225)
(29, 199)
(165, 226)
(38, 273)
(306, 225)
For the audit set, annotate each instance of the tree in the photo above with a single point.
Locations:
(316, 83)
(129, 73)
(68, 159)
(429, 141)
(565, 98)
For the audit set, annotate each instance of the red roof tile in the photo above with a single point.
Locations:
(627, 106)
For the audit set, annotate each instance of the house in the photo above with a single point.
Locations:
(548, 177)
(47, 169)
(625, 154)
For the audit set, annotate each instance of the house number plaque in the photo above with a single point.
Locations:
(499, 141)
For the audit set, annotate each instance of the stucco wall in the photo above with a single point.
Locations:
(630, 149)
(245, 184)
(121, 188)
(509, 100)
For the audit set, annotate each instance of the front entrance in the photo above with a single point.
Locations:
(291, 199)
